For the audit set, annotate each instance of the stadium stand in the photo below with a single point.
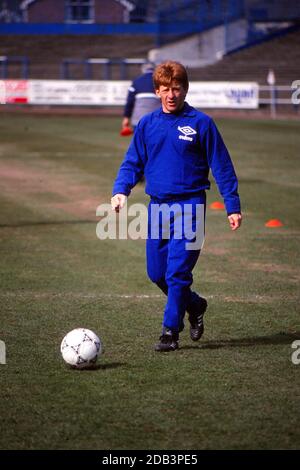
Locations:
(282, 54)
(269, 39)
(46, 54)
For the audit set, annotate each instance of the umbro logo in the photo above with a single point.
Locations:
(187, 131)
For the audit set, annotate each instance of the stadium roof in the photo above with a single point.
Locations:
(125, 3)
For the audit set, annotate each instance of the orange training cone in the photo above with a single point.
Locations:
(274, 223)
(217, 206)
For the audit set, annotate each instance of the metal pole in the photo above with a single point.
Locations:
(88, 70)
(25, 67)
(273, 101)
(3, 61)
(271, 80)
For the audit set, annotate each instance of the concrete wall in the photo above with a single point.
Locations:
(204, 48)
(46, 11)
(109, 12)
(53, 11)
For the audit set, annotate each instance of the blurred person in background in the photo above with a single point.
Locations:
(141, 97)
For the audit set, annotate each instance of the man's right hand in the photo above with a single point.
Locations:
(125, 122)
(118, 201)
(235, 221)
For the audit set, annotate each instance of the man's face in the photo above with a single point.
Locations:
(172, 97)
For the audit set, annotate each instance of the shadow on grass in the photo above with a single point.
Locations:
(278, 338)
(49, 222)
(112, 365)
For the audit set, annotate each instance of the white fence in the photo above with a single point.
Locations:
(225, 95)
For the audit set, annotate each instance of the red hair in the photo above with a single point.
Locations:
(168, 72)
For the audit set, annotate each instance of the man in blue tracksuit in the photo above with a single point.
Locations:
(175, 147)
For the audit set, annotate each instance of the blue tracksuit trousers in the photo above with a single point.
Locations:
(169, 262)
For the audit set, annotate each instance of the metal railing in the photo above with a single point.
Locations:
(278, 95)
(106, 65)
(21, 61)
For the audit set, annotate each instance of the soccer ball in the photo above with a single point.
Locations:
(80, 348)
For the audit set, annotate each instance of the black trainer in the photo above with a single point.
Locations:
(196, 318)
(168, 341)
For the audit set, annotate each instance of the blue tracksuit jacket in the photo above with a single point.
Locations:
(175, 153)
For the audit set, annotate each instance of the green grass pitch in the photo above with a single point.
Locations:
(235, 389)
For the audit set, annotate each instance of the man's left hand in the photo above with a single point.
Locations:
(235, 221)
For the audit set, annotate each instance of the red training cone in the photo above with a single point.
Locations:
(126, 131)
(273, 223)
(217, 206)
